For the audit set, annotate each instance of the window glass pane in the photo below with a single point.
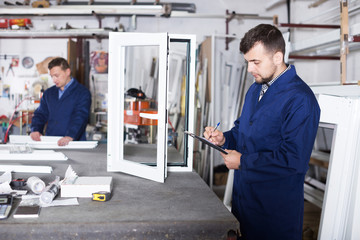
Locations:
(178, 102)
(141, 104)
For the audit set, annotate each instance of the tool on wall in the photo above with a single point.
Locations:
(14, 63)
(10, 68)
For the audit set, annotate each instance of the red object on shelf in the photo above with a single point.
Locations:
(21, 22)
(4, 23)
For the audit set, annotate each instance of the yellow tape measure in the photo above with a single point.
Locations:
(101, 196)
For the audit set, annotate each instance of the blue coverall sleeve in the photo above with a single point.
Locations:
(80, 116)
(231, 137)
(298, 131)
(40, 116)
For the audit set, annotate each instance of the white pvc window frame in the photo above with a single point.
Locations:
(340, 218)
(115, 152)
(190, 100)
(50, 142)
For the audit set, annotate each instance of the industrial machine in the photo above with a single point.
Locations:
(139, 129)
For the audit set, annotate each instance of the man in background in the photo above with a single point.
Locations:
(64, 107)
(270, 145)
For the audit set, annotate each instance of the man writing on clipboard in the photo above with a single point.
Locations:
(270, 145)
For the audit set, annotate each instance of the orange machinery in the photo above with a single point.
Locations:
(139, 129)
(133, 109)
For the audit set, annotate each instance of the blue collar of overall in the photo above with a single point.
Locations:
(61, 92)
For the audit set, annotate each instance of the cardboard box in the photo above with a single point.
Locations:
(84, 187)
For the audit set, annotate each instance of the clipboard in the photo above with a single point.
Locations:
(204, 140)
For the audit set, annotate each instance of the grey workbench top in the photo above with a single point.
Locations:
(183, 207)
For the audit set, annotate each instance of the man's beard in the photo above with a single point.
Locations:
(268, 79)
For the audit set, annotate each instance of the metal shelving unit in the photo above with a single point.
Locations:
(85, 10)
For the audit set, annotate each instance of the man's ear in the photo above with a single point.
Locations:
(278, 58)
(68, 72)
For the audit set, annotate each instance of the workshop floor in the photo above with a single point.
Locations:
(312, 216)
(311, 224)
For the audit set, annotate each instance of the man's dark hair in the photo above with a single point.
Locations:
(267, 34)
(59, 62)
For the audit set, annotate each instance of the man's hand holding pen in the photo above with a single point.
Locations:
(232, 159)
(215, 136)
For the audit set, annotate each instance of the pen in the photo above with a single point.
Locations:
(217, 125)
